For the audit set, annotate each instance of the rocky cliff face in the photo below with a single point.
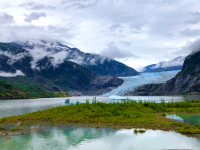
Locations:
(103, 84)
(186, 81)
(52, 73)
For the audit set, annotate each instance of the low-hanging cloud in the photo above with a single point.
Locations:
(13, 57)
(58, 58)
(38, 53)
(7, 74)
(191, 46)
(112, 51)
(176, 62)
(34, 16)
(84, 59)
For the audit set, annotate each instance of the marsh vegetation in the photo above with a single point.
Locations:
(127, 114)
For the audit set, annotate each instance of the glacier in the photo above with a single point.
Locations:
(130, 83)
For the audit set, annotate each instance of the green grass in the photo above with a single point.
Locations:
(12, 90)
(129, 114)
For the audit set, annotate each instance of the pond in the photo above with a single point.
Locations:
(82, 138)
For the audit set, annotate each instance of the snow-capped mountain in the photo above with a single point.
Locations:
(59, 52)
(47, 66)
(175, 64)
(187, 81)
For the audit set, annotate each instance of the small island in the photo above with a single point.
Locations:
(128, 114)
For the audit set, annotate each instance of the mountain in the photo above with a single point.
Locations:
(175, 64)
(98, 64)
(186, 81)
(50, 70)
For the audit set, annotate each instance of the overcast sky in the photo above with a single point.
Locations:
(135, 32)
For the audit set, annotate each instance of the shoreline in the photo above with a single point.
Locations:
(126, 115)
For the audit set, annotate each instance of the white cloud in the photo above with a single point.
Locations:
(149, 29)
(58, 58)
(192, 46)
(13, 57)
(176, 62)
(93, 61)
(6, 74)
(112, 51)
(34, 16)
(6, 18)
(35, 6)
(39, 53)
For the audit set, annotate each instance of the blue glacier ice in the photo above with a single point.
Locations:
(130, 83)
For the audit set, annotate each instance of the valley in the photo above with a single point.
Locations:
(99, 75)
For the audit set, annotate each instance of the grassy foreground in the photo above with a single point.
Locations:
(13, 90)
(128, 114)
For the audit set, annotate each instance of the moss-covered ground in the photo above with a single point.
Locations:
(128, 114)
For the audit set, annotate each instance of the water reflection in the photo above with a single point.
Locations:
(18, 107)
(175, 117)
(83, 138)
(192, 119)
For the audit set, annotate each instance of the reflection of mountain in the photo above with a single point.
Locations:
(98, 64)
(72, 136)
(56, 138)
(51, 71)
(175, 64)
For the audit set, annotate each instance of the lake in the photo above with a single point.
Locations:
(18, 107)
(83, 138)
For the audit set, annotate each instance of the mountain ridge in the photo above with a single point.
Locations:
(98, 64)
(187, 81)
(53, 73)
(175, 64)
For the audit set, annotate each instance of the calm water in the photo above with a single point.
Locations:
(74, 138)
(82, 138)
(192, 119)
(18, 107)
